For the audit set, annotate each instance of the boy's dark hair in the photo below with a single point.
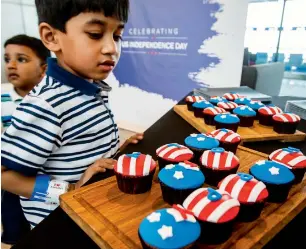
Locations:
(58, 12)
(31, 42)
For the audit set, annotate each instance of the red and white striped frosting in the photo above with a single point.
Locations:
(227, 105)
(219, 211)
(232, 96)
(223, 160)
(193, 99)
(244, 191)
(214, 110)
(174, 152)
(130, 165)
(225, 135)
(270, 110)
(292, 159)
(287, 117)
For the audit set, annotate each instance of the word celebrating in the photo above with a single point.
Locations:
(153, 31)
(155, 45)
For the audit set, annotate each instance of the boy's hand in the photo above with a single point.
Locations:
(135, 138)
(99, 166)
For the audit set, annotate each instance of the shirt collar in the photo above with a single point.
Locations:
(67, 78)
(14, 95)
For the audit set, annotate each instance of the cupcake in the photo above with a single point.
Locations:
(216, 211)
(210, 113)
(293, 158)
(228, 106)
(277, 178)
(232, 96)
(198, 108)
(216, 99)
(228, 139)
(227, 121)
(198, 143)
(217, 163)
(286, 123)
(242, 101)
(255, 105)
(246, 115)
(177, 181)
(169, 228)
(190, 100)
(172, 153)
(250, 193)
(266, 113)
(134, 173)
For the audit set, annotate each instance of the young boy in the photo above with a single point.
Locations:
(25, 61)
(64, 132)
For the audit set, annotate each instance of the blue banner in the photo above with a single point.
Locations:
(161, 42)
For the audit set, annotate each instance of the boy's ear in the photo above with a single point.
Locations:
(44, 69)
(49, 37)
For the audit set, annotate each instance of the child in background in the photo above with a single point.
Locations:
(63, 132)
(25, 61)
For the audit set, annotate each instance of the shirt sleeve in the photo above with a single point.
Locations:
(34, 134)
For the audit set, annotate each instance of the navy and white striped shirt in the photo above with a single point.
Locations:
(61, 127)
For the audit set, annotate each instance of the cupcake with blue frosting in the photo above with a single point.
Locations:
(199, 106)
(216, 212)
(169, 228)
(198, 143)
(255, 105)
(177, 181)
(216, 99)
(251, 194)
(246, 115)
(277, 178)
(227, 121)
(217, 163)
(242, 101)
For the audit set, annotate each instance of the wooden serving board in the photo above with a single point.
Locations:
(248, 134)
(111, 218)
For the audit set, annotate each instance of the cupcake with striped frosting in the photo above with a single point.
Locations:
(210, 113)
(190, 100)
(266, 113)
(172, 153)
(216, 99)
(277, 178)
(198, 108)
(169, 228)
(292, 158)
(228, 106)
(177, 181)
(216, 212)
(134, 173)
(246, 115)
(228, 139)
(232, 96)
(286, 123)
(217, 163)
(251, 194)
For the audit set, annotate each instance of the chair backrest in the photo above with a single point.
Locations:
(295, 60)
(261, 58)
(280, 58)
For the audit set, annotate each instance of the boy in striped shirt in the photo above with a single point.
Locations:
(64, 132)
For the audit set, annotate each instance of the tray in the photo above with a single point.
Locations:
(111, 218)
(248, 134)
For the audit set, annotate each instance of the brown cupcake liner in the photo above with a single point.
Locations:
(214, 176)
(285, 127)
(198, 112)
(246, 121)
(250, 211)
(233, 127)
(209, 119)
(229, 146)
(265, 119)
(189, 106)
(134, 184)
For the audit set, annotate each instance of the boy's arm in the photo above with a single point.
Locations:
(17, 183)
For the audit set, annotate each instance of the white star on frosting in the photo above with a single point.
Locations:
(165, 232)
(201, 139)
(223, 116)
(170, 166)
(178, 175)
(154, 217)
(242, 99)
(274, 171)
(193, 135)
(261, 162)
(243, 108)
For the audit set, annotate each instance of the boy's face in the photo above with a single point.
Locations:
(22, 67)
(91, 46)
